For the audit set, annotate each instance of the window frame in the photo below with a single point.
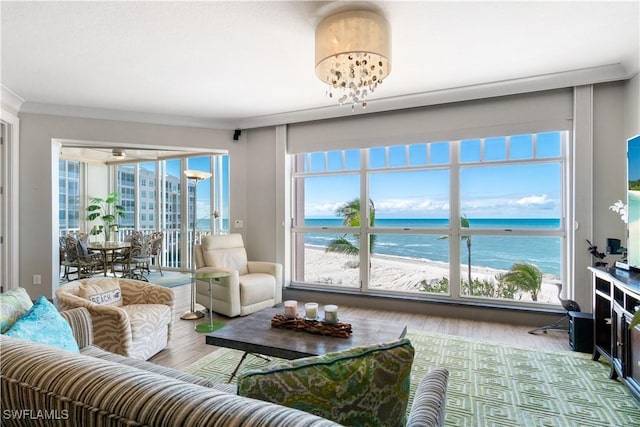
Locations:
(454, 231)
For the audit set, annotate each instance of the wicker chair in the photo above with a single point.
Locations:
(78, 256)
(155, 249)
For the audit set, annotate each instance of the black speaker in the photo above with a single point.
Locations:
(581, 331)
(236, 134)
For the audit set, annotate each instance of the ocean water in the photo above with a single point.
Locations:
(498, 251)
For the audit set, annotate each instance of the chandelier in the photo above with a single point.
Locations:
(353, 54)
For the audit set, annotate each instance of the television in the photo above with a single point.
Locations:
(633, 202)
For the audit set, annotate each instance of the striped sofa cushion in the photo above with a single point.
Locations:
(98, 353)
(84, 391)
(429, 400)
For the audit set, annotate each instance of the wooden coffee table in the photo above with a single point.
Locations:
(254, 334)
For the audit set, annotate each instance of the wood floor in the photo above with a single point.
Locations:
(187, 346)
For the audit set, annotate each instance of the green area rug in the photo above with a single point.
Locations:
(494, 385)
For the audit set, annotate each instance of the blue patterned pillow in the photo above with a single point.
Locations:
(43, 324)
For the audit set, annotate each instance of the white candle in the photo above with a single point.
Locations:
(311, 310)
(331, 313)
(290, 309)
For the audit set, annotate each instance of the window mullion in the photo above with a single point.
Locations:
(365, 262)
(454, 221)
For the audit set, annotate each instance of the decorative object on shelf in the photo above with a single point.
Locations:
(196, 176)
(330, 313)
(593, 250)
(340, 330)
(353, 54)
(311, 310)
(290, 309)
(108, 211)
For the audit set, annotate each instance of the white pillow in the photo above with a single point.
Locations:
(102, 290)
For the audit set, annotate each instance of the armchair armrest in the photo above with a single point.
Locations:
(272, 268)
(139, 292)
(81, 325)
(430, 399)
(232, 285)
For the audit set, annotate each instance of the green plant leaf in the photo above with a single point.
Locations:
(636, 320)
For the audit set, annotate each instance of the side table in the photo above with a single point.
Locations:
(210, 277)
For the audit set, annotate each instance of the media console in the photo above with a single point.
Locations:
(616, 296)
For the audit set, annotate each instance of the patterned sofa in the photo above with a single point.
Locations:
(44, 385)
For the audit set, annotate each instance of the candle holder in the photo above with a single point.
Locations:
(311, 311)
(290, 309)
(330, 313)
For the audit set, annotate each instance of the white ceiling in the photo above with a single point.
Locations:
(243, 64)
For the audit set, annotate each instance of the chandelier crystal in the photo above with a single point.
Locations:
(353, 54)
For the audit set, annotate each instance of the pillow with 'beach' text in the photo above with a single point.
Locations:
(102, 290)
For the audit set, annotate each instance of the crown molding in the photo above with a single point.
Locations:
(602, 74)
(122, 115)
(593, 75)
(10, 99)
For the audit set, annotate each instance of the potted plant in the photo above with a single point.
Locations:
(108, 211)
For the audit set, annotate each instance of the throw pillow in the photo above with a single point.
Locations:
(102, 290)
(43, 324)
(13, 305)
(361, 386)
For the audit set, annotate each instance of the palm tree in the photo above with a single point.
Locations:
(524, 276)
(464, 223)
(350, 213)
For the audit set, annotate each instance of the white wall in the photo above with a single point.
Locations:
(38, 197)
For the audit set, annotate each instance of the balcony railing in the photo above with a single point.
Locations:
(174, 256)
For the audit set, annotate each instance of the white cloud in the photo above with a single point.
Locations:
(541, 200)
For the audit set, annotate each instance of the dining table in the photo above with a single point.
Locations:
(105, 248)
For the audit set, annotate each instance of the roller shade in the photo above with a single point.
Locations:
(508, 115)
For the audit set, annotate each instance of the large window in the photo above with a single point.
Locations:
(473, 219)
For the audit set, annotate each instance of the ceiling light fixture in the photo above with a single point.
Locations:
(118, 154)
(353, 54)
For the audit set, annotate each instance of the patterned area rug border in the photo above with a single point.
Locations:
(496, 385)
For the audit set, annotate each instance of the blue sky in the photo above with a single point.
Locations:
(486, 191)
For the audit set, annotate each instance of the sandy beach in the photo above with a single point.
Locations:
(398, 274)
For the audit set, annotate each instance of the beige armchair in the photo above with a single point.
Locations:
(134, 319)
(252, 286)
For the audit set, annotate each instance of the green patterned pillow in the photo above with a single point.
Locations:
(13, 305)
(44, 324)
(363, 386)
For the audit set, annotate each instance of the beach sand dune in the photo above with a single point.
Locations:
(398, 274)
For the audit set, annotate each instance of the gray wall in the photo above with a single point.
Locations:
(38, 217)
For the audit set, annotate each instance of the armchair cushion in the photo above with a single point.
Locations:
(102, 290)
(362, 386)
(43, 324)
(13, 305)
(226, 251)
